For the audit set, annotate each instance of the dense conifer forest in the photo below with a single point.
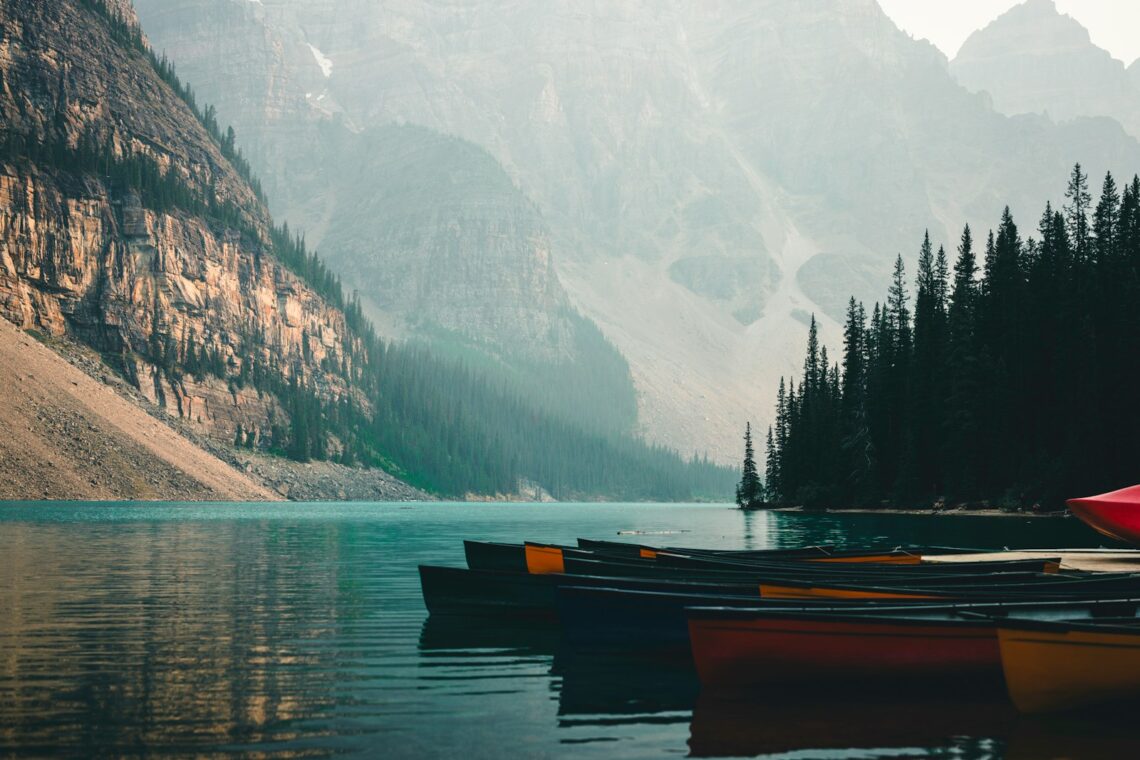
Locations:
(437, 423)
(1010, 378)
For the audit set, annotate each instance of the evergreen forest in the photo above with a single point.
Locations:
(1008, 379)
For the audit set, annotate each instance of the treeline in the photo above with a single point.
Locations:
(437, 424)
(457, 431)
(121, 169)
(434, 422)
(594, 390)
(1017, 387)
(130, 36)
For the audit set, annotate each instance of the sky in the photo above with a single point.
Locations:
(1112, 24)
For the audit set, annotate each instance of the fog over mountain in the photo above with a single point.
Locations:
(701, 175)
(1034, 59)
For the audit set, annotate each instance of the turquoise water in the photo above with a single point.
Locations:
(298, 630)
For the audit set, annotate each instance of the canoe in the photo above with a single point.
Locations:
(1052, 666)
(547, 558)
(462, 591)
(532, 557)
(489, 555)
(821, 552)
(478, 593)
(993, 588)
(773, 573)
(644, 551)
(733, 564)
(635, 618)
(1115, 514)
(741, 647)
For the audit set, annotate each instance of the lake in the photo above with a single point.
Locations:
(298, 630)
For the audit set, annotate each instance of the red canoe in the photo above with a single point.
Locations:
(1116, 514)
(739, 648)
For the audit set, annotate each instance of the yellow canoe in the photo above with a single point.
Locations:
(1062, 666)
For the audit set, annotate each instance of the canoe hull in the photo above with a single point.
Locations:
(1115, 514)
(1051, 668)
(631, 619)
(733, 653)
(479, 593)
(486, 555)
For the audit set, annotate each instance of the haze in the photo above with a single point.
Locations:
(1112, 24)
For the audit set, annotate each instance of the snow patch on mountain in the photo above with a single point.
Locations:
(322, 60)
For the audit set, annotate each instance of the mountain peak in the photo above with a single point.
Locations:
(1034, 59)
(1032, 26)
(1048, 7)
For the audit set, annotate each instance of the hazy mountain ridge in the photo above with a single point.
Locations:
(434, 235)
(1033, 59)
(445, 239)
(710, 172)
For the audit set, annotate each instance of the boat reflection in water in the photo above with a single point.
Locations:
(905, 724)
(593, 686)
(600, 692)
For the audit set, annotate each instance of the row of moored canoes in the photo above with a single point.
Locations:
(1059, 638)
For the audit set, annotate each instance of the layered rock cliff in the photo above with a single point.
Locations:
(86, 256)
(445, 241)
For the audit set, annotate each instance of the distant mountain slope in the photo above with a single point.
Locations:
(711, 172)
(1033, 59)
(439, 242)
(445, 249)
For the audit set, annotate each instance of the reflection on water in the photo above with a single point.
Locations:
(289, 631)
(905, 723)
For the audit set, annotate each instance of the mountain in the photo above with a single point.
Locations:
(131, 225)
(447, 250)
(444, 249)
(131, 258)
(711, 173)
(1033, 59)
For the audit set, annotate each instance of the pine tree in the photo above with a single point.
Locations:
(1077, 212)
(1009, 388)
(927, 376)
(771, 469)
(961, 423)
(750, 491)
(857, 450)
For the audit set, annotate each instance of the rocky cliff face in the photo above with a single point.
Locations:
(711, 172)
(79, 255)
(446, 242)
(1034, 59)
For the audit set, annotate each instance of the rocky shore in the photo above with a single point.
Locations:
(76, 424)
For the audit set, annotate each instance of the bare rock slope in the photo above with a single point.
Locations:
(69, 436)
